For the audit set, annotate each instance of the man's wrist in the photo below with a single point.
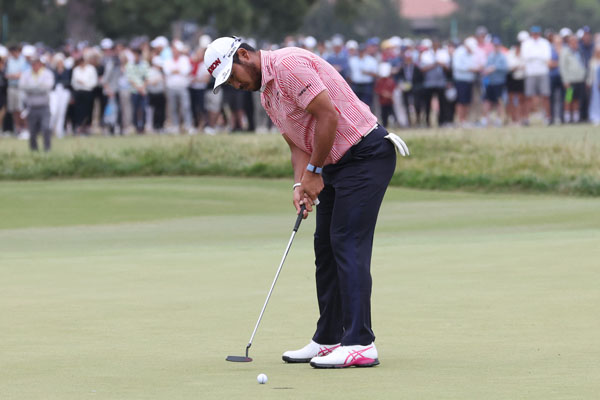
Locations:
(314, 169)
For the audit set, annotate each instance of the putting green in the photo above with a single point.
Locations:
(139, 289)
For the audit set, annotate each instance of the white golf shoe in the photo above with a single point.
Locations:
(348, 356)
(308, 352)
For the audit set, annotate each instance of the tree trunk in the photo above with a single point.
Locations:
(80, 21)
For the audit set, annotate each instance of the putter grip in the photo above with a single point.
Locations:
(299, 219)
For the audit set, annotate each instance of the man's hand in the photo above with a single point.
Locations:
(308, 191)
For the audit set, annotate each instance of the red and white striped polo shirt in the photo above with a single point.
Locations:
(291, 79)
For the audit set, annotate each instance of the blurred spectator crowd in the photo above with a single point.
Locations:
(161, 86)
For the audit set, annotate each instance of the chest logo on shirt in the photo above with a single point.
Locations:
(303, 90)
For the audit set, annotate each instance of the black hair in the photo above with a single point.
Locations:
(245, 46)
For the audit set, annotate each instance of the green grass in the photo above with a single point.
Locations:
(138, 288)
(536, 160)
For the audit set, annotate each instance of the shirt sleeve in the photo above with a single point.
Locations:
(300, 80)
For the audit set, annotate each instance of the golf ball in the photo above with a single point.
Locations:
(261, 378)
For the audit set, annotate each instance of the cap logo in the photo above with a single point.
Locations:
(214, 65)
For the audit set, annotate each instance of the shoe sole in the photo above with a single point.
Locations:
(290, 360)
(338, 366)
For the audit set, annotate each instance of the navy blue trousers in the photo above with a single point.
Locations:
(346, 218)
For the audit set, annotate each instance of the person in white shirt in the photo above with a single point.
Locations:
(177, 72)
(516, 107)
(537, 53)
(83, 82)
(363, 71)
(36, 83)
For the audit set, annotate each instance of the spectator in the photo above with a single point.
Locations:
(557, 91)
(516, 107)
(156, 94)
(3, 84)
(363, 71)
(177, 70)
(15, 66)
(36, 84)
(384, 88)
(339, 57)
(572, 72)
(60, 96)
(199, 82)
(464, 69)
(495, 71)
(124, 93)
(434, 63)
(593, 83)
(110, 79)
(410, 78)
(137, 74)
(537, 54)
(587, 50)
(83, 81)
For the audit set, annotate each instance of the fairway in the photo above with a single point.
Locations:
(138, 288)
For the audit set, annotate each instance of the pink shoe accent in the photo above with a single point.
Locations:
(324, 350)
(358, 358)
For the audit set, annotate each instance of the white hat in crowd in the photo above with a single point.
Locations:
(471, 43)
(395, 41)
(3, 51)
(522, 36)
(218, 59)
(28, 51)
(427, 43)
(106, 44)
(178, 45)
(352, 44)
(337, 41)
(564, 32)
(204, 41)
(408, 42)
(310, 42)
(160, 41)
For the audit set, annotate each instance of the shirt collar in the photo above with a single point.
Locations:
(268, 74)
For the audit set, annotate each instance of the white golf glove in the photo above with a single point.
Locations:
(399, 143)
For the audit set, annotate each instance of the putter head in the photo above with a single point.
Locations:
(238, 359)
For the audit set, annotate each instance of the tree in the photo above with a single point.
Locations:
(358, 19)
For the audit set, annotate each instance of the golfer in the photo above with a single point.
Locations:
(343, 162)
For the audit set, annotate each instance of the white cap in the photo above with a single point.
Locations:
(471, 43)
(218, 59)
(395, 41)
(310, 42)
(408, 42)
(564, 32)
(427, 43)
(522, 36)
(3, 51)
(204, 41)
(160, 41)
(352, 44)
(178, 45)
(28, 51)
(106, 44)
(337, 41)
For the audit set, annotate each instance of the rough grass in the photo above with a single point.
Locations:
(554, 160)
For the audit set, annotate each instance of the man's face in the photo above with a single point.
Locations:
(245, 76)
(573, 43)
(36, 66)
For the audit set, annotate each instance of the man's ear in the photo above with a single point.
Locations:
(243, 54)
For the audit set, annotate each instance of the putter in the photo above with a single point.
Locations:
(285, 253)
